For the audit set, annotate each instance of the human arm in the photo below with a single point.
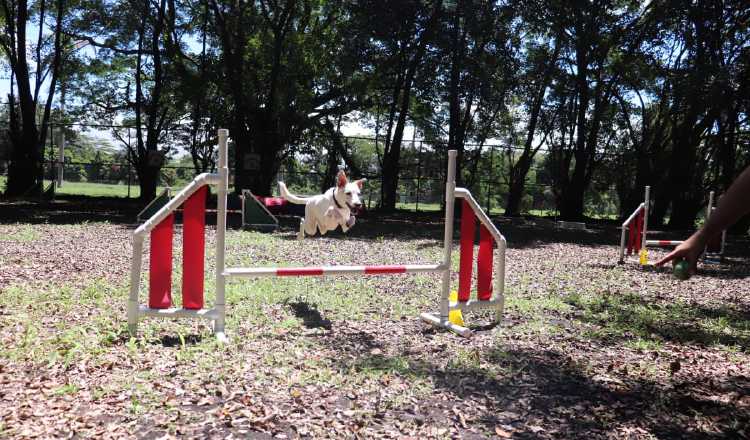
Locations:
(733, 205)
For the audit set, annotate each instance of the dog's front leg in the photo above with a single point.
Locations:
(301, 234)
(348, 224)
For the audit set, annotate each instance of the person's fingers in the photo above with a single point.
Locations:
(669, 257)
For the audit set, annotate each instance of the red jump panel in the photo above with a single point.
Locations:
(160, 265)
(194, 249)
(484, 264)
(631, 235)
(639, 231)
(466, 261)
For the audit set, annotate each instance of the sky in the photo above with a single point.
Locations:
(349, 128)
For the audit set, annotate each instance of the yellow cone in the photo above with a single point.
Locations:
(643, 257)
(455, 316)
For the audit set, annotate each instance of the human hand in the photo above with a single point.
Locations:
(690, 250)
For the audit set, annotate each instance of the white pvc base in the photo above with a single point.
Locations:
(446, 324)
(173, 312)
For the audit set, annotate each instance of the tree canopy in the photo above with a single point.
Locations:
(589, 93)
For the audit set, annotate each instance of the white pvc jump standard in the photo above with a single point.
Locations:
(639, 231)
(217, 313)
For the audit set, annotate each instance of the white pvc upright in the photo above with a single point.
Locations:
(450, 199)
(646, 204)
(221, 229)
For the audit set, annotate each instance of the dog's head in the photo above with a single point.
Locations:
(348, 192)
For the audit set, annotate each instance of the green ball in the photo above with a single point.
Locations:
(681, 270)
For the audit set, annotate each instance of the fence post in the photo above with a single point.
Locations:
(60, 155)
(419, 173)
(130, 162)
(489, 178)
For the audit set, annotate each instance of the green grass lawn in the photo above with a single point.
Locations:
(92, 189)
(97, 189)
(585, 349)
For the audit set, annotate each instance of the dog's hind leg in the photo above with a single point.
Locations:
(301, 233)
(311, 227)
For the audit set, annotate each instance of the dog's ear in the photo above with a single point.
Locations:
(341, 179)
(360, 182)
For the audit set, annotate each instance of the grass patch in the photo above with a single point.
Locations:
(66, 389)
(22, 233)
(629, 316)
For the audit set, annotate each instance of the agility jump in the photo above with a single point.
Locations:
(635, 231)
(160, 228)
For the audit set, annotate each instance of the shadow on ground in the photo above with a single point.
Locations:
(620, 318)
(539, 393)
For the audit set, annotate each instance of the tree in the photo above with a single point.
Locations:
(27, 128)
(134, 76)
(286, 66)
(473, 60)
(599, 39)
(709, 87)
(399, 33)
(539, 67)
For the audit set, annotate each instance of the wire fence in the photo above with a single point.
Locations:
(421, 177)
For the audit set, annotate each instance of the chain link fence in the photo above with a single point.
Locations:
(421, 178)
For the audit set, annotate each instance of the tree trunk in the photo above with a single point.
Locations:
(390, 177)
(256, 160)
(391, 158)
(148, 179)
(517, 185)
(571, 205)
(24, 170)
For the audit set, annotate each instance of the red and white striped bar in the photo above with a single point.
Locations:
(330, 270)
(663, 243)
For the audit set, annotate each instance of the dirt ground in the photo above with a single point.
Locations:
(587, 348)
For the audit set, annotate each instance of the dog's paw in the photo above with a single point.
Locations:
(351, 221)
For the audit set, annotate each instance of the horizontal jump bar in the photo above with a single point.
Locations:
(663, 242)
(179, 313)
(229, 211)
(330, 270)
(475, 305)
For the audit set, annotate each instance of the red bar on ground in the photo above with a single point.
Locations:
(466, 260)
(384, 269)
(299, 271)
(160, 265)
(193, 249)
(484, 264)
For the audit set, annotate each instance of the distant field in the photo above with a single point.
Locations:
(112, 190)
(97, 189)
(494, 210)
(91, 189)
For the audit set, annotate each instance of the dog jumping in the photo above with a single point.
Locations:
(324, 212)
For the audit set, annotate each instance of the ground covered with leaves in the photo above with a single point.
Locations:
(587, 348)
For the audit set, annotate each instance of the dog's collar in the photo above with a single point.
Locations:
(336, 201)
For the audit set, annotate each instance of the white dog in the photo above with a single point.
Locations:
(326, 211)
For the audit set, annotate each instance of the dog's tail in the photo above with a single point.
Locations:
(291, 197)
